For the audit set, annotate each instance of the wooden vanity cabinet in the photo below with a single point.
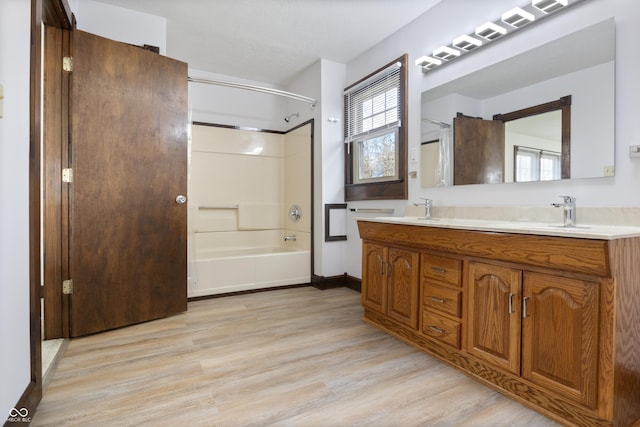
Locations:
(494, 322)
(553, 322)
(539, 326)
(390, 282)
(560, 335)
(441, 290)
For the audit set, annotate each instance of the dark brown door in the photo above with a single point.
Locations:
(478, 151)
(129, 122)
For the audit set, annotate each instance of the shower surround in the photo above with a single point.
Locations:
(241, 186)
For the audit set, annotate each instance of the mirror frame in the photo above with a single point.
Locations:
(564, 105)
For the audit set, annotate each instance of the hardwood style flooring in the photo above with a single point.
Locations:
(292, 357)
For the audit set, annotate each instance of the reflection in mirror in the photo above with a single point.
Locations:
(436, 154)
(536, 144)
(551, 71)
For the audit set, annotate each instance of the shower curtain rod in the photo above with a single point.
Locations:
(436, 122)
(268, 90)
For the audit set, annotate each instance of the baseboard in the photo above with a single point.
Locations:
(344, 280)
(26, 407)
(248, 291)
(46, 376)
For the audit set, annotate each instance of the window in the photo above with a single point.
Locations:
(375, 158)
(536, 165)
(375, 137)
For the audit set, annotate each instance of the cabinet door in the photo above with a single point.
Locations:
(374, 285)
(494, 315)
(403, 277)
(560, 335)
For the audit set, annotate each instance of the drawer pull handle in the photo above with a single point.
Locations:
(436, 299)
(436, 329)
(438, 270)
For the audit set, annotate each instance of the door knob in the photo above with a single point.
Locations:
(181, 200)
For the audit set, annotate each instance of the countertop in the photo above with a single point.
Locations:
(582, 231)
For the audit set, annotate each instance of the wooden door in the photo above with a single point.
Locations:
(403, 276)
(494, 315)
(560, 335)
(479, 151)
(129, 122)
(374, 283)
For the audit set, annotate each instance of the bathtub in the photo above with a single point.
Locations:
(219, 271)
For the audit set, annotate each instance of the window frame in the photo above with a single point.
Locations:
(356, 146)
(376, 189)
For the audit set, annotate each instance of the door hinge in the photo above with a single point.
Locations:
(67, 287)
(67, 175)
(67, 63)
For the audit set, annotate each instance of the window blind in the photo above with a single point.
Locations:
(373, 103)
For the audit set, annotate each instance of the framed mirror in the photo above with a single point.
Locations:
(551, 73)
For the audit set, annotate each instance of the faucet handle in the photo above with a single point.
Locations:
(568, 199)
(426, 201)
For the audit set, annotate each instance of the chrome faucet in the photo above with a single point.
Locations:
(569, 210)
(428, 203)
(291, 237)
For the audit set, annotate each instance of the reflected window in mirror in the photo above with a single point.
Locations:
(375, 135)
(532, 164)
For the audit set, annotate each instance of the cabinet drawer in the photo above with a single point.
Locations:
(445, 330)
(444, 300)
(442, 270)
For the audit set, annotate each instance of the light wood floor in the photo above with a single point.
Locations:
(294, 357)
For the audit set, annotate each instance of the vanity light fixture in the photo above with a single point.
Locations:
(467, 43)
(548, 6)
(490, 31)
(510, 21)
(517, 17)
(446, 53)
(427, 62)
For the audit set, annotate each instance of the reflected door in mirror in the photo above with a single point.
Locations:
(478, 151)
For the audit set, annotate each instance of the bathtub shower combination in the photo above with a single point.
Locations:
(233, 270)
(252, 231)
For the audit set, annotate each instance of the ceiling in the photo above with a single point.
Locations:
(271, 41)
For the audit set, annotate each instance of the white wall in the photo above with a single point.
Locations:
(442, 24)
(332, 163)
(238, 107)
(15, 371)
(120, 24)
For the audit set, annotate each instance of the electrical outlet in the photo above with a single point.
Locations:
(609, 171)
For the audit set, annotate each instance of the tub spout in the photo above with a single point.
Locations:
(291, 237)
